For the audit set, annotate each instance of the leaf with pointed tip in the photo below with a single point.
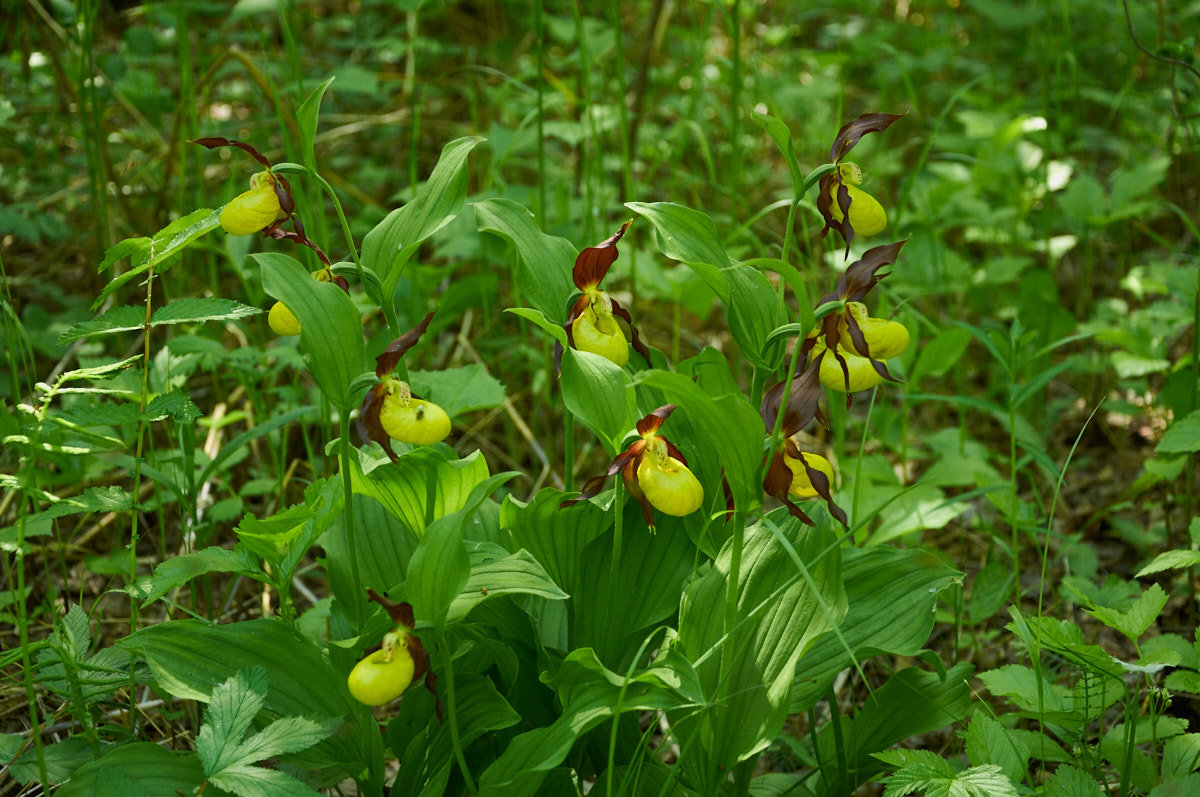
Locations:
(544, 262)
(306, 118)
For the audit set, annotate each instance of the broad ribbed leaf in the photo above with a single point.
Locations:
(190, 658)
(179, 570)
(494, 572)
(404, 489)
(595, 390)
(556, 537)
(782, 608)
(394, 240)
(752, 306)
(140, 768)
(645, 592)
(544, 261)
(384, 546)
(892, 595)
(331, 339)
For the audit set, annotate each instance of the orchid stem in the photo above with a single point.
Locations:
(568, 450)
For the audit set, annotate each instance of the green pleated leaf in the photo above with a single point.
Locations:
(190, 658)
(596, 391)
(393, 241)
(139, 769)
(384, 546)
(644, 591)
(428, 760)
(440, 566)
(590, 694)
(892, 595)
(331, 339)
(909, 703)
(554, 330)
(158, 252)
(782, 607)
(556, 537)
(495, 572)
(404, 489)
(544, 261)
(779, 133)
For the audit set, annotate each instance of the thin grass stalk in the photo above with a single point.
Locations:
(568, 450)
(348, 517)
(540, 33)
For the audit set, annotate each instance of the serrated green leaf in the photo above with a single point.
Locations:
(231, 708)
(1170, 560)
(1134, 622)
(989, 742)
(115, 319)
(1019, 684)
(174, 405)
(181, 569)
(159, 252)
(1182, 437)
(245, 780)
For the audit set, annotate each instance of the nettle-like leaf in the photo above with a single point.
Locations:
(1141, 614)
(193, 310)
(925, 772)
(229, 760)
(157, 252)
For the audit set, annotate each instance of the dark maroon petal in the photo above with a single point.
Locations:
(386, 362)
(654, 421)
(803, 401)
(283, 192)
(638, 346)
(861, 346)
(594, 485)
(213, 142)
(851, 132)
(370, 428)
(863, 274)
(593, 262)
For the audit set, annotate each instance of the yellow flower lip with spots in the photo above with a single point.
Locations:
(667, 483)
(884, 338)
(867, 216)
(253, 210)
(802, 486)
(412, 420)
(597, 332)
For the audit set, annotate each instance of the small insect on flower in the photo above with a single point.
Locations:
(391, 412)
(592, 322)
(655, 473)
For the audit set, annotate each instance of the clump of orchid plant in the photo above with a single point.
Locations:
(390, 411)
(592, 322)
(655, 472)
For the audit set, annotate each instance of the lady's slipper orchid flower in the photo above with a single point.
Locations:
(592, 322)
(791, 474)
(265, 206)
(391, 412)
(655, 473)
(370, 686)
(867, 216)
(848, 345)
(845, 207)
